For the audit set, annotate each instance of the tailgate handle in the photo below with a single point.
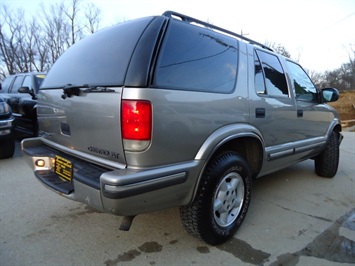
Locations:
(299, 113)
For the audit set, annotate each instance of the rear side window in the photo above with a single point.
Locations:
(197, 59)
(5, 86)
(270, 78)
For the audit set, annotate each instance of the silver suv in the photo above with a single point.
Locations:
(171, 111)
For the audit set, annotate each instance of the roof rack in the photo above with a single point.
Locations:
(173, 14)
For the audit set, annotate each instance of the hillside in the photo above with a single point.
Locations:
(346, 107)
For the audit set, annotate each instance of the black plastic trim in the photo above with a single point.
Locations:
(83, 172)
(138, 70)
(144, 187)
(51, 180)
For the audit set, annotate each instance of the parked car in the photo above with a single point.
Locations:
(20, 92)
(238, 111)
(7, 140)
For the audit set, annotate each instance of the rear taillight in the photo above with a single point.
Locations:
(136, 119)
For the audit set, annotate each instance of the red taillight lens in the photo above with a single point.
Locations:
(136, 120)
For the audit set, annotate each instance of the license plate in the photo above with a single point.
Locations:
(63, 168)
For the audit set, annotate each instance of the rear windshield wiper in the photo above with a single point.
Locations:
(98, 89)
(70, 90)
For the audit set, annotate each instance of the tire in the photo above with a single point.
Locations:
(222, 200)
(7, 148)
(326, 163)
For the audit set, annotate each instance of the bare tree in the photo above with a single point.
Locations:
(41, 50)
(278, 48)
(12, 40)
(72, 13)
(342, 78)
(35, 44)
(2, 74)
(92, 15)
(56, 33)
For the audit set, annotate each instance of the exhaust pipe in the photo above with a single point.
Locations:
(126, 223)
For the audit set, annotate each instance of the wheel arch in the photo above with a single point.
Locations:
(335, 126)
(246, 140)
(248, 147)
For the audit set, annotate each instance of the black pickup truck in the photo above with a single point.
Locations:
(7, 141)
(20, 92)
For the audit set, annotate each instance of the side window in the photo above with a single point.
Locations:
(304, 87)
(27, 82)
(274, 76)
(197, 59)
(17, 84)
(259, 76)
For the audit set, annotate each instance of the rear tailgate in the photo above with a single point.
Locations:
(89, 123)
(79, 104)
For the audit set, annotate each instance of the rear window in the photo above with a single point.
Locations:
(100, 59)
(197, 59)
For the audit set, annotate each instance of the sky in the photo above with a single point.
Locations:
(320, 34)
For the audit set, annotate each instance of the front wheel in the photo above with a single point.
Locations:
(222, 200)
(326, 163)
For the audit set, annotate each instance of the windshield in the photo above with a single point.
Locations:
(39, 80)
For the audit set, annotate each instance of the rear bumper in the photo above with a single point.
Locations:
(119, 191)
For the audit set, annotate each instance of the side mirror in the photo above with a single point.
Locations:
(24, 90)
(27, 90)
(330, 95)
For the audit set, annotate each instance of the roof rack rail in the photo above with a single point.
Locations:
(173, 14)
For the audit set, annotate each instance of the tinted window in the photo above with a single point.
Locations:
(5, 86)
(17, 84)
(99, 59)
(304, 88)
(27, 82)
(197, 59)
(259, 76)
(275, 79)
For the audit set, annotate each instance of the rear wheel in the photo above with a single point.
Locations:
(222, 200)
(326, 163)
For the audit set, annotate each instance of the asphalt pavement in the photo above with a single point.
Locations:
(295, 218)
